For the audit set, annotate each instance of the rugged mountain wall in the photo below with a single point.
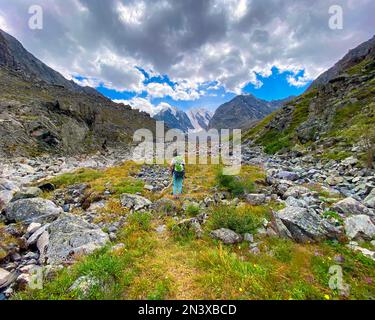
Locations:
(40, 111)
(242, 112)
(335, 118)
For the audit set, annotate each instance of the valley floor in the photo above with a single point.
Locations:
(168, 252)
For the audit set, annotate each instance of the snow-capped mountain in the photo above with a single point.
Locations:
(174, 118)
(200, 118)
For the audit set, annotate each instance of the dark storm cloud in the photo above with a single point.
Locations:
(193, 40)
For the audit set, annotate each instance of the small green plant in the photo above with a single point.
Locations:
(240, 220)
(333, 214)
(181, 232)
(192, 210)
(230, 183)
(141, 220)
(282, 249)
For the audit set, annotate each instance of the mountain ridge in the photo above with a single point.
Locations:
(243, 111)
(42, 112)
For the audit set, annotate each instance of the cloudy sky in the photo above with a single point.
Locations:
(189, 53)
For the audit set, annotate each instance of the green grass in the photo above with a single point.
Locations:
(274, 140)
(241, 219)
(113, 271)
(333, 214)
(128, 186)
(80, 176)
(236, 185)
(192, 210)
(141, 220)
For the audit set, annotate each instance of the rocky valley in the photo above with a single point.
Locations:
(81, 220)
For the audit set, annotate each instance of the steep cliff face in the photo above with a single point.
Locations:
(335, 117)
(41, 111)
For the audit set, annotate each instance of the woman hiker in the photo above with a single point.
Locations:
(178, 172)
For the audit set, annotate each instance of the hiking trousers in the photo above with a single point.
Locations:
(177, 185)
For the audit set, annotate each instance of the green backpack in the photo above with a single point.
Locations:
(179, 167)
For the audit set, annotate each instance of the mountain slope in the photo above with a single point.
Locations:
(40, 111)
(335, 118)
(242, 112)
(353, 57)
(199, 118)
(14, 56)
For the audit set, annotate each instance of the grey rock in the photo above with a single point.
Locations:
(359, 227)
(192, 224)
(350, 206)
(161, 228)
(226, 235)
(42, 245)
(255, 251)
(35, 236)
(70, 236)
(287, 175)
(4, 275)
(134, 202)
(118, 247)
(32, 210)
(248, 237)
(34, 226)
(255, 199)
(305, 225)
(296, 192)
(31, 192)
(370, 199)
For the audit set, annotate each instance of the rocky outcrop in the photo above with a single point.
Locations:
(134, 202)
(32, 210)
(354, 56)
(304, 225)
(69, 237)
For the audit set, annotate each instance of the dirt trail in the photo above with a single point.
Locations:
(171, 261)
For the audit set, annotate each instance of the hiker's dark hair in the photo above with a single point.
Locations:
(175, 153)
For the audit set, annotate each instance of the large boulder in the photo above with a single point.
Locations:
(370, 199)
(32, 210)
(226, 235)
(359, 227)
(350, 206)
(287, 175)
(255, 199)
(303, 225)
(134, 202)
(69, 237)
(31, 192)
